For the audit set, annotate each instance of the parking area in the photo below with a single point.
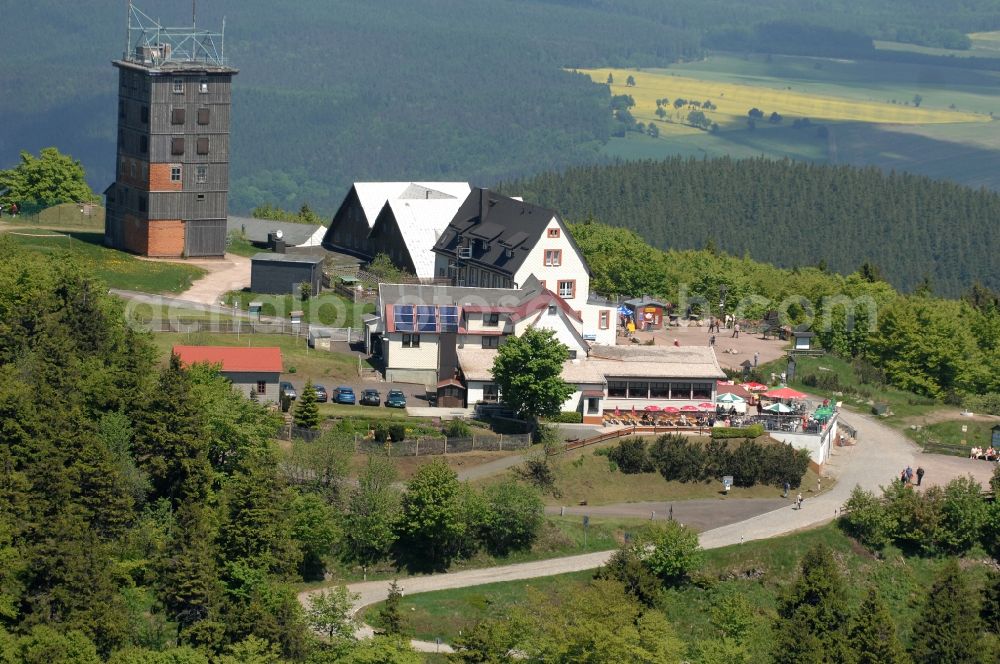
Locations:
(416, 395)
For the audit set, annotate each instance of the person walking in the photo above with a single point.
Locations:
(920, 475)
(909, 475)
(798, 501)
(736, 330)
(711, 341)
(787, 487)
(756, 357)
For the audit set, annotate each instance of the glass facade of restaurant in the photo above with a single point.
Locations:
(622, 388)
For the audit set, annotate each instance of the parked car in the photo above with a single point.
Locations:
(395, 399)
(370, 397)
(344, 394)
(320, 393)
(286, 388)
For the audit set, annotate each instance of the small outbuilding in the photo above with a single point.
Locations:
(803, 340)
(251, 370)
(281, 274)
(647, 312)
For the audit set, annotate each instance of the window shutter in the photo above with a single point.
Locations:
(177, 116)
(203, 116)
(203, 145)
(177, 145)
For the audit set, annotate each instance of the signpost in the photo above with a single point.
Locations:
(727, 483)
(586, 525)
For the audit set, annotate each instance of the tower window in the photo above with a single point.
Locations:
(132, 169)
(203, 86)
(177, 145)
(201, 174)
(175, 173)
(203, 145)
(200, 197)
(177, 116)
(145, 115)
(203, 114)
(143, 203)
(179, 85)
(121, 110)
(143, 144)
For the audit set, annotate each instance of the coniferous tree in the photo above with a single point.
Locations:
(306, 413)
(948, 628)
(990, 611)
(812, 617)
(391, 614)
(873, 637)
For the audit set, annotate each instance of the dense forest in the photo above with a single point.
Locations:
(468, 90)
(916, 230)
(941, 348)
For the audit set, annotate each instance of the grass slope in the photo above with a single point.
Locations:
(115, 268)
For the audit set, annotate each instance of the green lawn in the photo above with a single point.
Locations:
(115, 268)
(237, 244)
(757, 570)
(322, 367)
(63, 216)
(328, 308)
(947, 437)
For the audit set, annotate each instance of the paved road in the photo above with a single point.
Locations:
(873, 462)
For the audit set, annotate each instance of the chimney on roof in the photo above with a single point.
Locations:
(484, 204)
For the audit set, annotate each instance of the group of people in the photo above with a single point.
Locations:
(989, 454)
(906, 476)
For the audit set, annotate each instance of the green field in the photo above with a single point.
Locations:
(866, 111)
(115, 268)
(757, 570)
(948, 438)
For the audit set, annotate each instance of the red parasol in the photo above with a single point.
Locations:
(671, 409)
(784, 393)
(689, 409)
(754, 386)
(706, 406)
(652, 408)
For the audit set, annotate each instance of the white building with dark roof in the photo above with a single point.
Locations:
(498, 241)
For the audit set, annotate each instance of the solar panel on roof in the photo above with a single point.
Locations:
(449, 318)
(426, 319)
(404, 318)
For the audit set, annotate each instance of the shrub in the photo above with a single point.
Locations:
(381, 430)
(568, 417)
(988, 403)
(672, 551)
(752, 431)
(457, 429)
(397, 432)
(866, 519)
(292, 369)
(627, 567)
(677, 458)
(631, 457)
(538, 471)
(512, 518)
(964, 514)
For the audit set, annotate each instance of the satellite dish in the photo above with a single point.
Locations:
(279, 234)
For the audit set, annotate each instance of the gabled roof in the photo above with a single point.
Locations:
(233, 358)
(257, 229)
(374, 195)
(510, 227)
(646, 301)
(420, 222)
(657, 361)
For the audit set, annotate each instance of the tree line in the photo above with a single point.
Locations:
(791, 214)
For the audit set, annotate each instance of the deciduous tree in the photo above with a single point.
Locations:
(528, 370)
(49, 179)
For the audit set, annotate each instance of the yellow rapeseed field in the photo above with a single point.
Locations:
(734, 100)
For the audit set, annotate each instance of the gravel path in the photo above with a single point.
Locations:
(229, 274)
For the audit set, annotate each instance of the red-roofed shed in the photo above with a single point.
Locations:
(256, 370)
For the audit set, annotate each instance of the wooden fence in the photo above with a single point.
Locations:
(445, 445)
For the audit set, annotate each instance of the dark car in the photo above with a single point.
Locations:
(320, 393)
(344, 394)
(395, 399)
(286, 388)
(370, 398)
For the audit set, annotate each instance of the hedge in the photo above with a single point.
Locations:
(750, 462)
(568, 417)
(752, 431)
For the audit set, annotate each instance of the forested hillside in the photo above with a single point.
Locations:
(792, 214)
(942, 348)
(334, 91)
